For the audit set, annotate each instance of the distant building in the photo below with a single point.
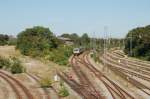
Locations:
(12, 37)
(67, 41)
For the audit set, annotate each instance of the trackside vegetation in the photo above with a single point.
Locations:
(16, 66)
(11, 64)
(137, 43)
(63, 92)
(4, 63)
(60, 55)
(36, 41)
(41, 42)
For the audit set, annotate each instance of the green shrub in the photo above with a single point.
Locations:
(12, 64)
(4, 63)
(60, 55)
(16, 66)
(63, 92)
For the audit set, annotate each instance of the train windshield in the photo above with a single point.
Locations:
(76, 49)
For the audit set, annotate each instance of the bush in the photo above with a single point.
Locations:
(4, 63)
(60, 55)
(12, 64)
(63, 92)
(16, 66)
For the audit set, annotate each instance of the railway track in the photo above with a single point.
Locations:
(113, 88)
(37, 80)
(129, 64)
(18, 95)
(5, 89)
(134, 64)
(84, 80)
(134, 82)
(84, 88)
(75, 86)
(139, 72)
(126, 73)
(14, 83)
(133, 60)
(100, 77)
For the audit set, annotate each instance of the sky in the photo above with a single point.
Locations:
(74, 16)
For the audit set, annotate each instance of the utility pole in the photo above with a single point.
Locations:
(90, 41)
(123, 43)
(130, 38)
(131, 45)
(95, 45)
(105, 45)
(94, 42)
(109, 38)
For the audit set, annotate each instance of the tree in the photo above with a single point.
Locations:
(137, 42)
(3, 39)
(36, 41)
(85, 40)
